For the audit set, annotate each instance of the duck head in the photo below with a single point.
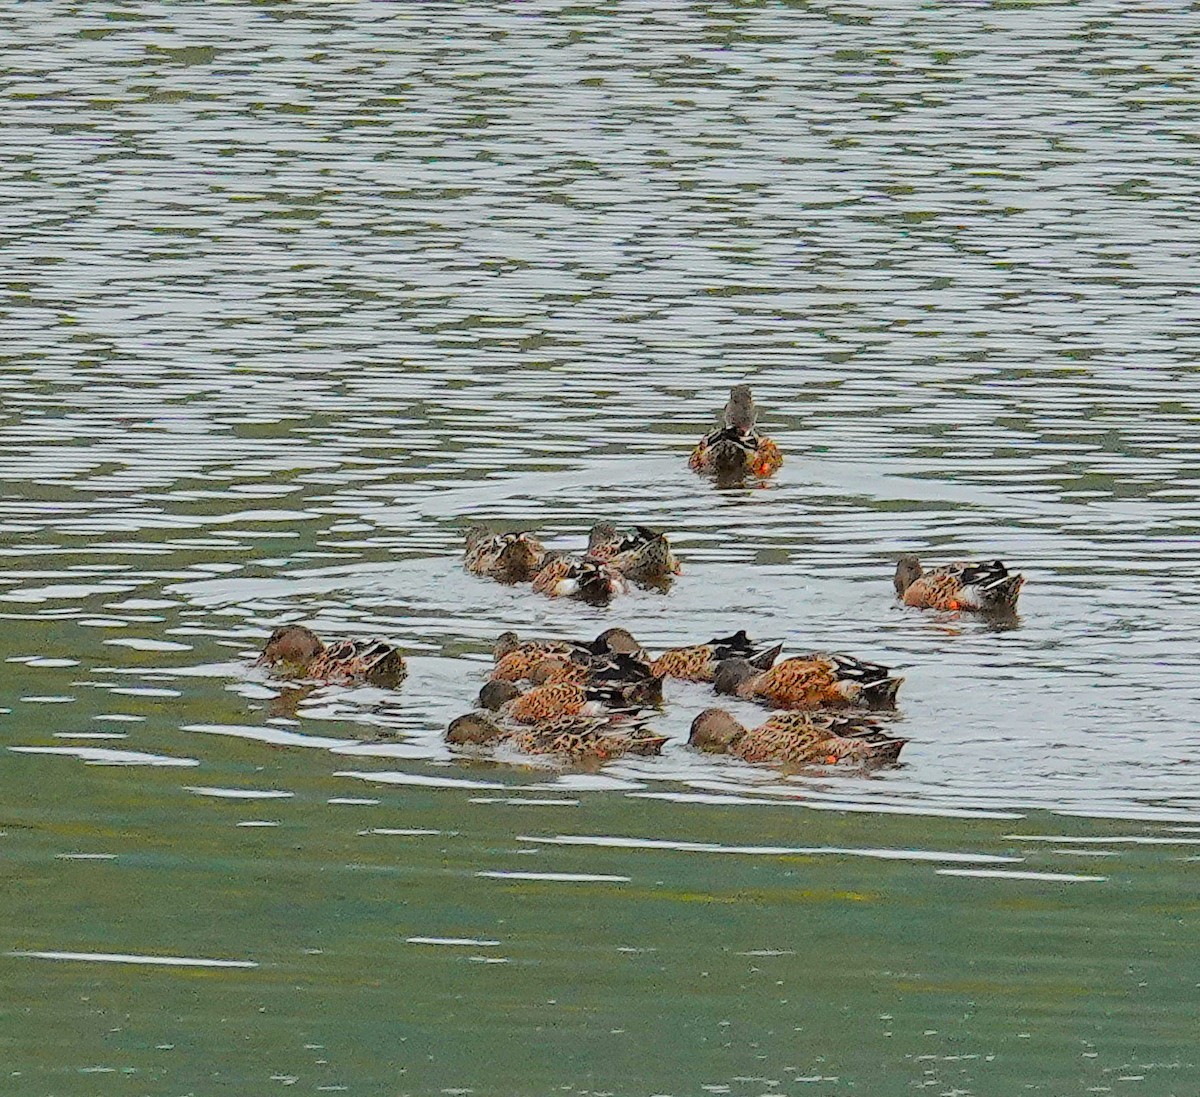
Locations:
(908, 571)
(731, 673)
(740, 413)
(474, 729)
(291, 645)
(495, 694)
(715, 731)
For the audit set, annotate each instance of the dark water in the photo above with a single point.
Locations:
(293, 293)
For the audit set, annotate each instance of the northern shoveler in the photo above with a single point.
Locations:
(572, 738)
(640, 553)
(625, 676)
(515, 658)
(798, 737)
(508, 557)
(699, 662)
(736, 447)
(587, 579)
(984, 585)
(552, 699)
(810, 681)
(299, 652)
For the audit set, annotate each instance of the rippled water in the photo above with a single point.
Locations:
(296, 292)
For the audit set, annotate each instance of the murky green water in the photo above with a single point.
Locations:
(293, 293)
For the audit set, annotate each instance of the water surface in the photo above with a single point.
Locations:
(294, 293)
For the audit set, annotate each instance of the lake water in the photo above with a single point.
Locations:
(293, 293)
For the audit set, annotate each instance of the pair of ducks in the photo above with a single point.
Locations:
(613, 559)
(736, 448)
(588, 700)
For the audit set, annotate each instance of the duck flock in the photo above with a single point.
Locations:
(580, 700)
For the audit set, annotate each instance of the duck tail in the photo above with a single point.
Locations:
(765, 659)
(885, 751)
(881, 694)
(519, 559)
(1003, 593)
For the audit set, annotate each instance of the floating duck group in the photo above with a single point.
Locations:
(577, 700)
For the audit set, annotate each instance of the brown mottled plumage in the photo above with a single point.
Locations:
(586, 578)
(735, 447)
(699, 662)
(572, 738)
(540, 703)
(299, 652)
(797, 737)
(515, 659)
(508, 557)
(640, 553)
(976, 585)
(818, 680)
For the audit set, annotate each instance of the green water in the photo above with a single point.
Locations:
(745, 972)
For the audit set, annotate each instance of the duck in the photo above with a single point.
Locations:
(625, 675)
(699, 662)
(817, 680)
(586, 578)
(572, 738)
(553, 699)
(509, 557)
(640, 553)
(801, 738)
(300, 653)
(515, 658)
(986, 585)
(735, 447)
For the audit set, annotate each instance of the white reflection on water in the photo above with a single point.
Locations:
(104, 756)
(128, 958)
(613, 842)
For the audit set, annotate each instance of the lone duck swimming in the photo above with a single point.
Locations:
(735, 448)
(986, 586)
(818, 680)
(802, 738)
(299, 653)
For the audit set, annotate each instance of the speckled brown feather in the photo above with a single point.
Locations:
(965, 585)
(597, 738)
(348, 661)
(509, 557)
(726, 452)
(547, 703)
(820, 681)
(816, 738)
(517, 663)
(767, 459)
(691, 664)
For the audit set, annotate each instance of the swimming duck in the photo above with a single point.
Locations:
(624, 675)
(980, 585)
(515, 658)
(797, 737)
(554, 699)
(508, 557)
(735, 447)
(300, 653)
(816, 680)
(640, 553)
(699, 662)
(587, 579)
(574, 738)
